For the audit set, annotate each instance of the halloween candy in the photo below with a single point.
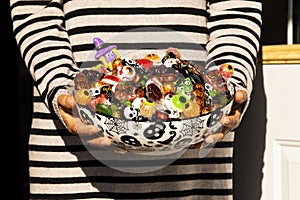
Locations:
(152, 101)
(168, 84)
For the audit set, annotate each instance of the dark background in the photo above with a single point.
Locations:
(250, 136)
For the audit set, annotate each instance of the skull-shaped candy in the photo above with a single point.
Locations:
(95, 91)
(132, 113)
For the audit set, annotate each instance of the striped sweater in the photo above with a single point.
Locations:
(55, 39)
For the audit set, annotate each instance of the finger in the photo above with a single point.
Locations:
(240, 96)
(231, 121)
(120, 150)
(100, 141)
(84, 129)
(75, 125)
(66, 101)
(213, 138)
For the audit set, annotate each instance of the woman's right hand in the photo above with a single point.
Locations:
(66, 104)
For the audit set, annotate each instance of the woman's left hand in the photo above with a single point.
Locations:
(229, 122)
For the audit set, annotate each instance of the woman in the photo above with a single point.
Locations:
(54, 38)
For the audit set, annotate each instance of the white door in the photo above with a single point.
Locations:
(281, 171)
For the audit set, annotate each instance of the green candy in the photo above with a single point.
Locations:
(179, 101)
(104, 109)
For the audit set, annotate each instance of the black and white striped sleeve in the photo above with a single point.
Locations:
(44, 45)
(235, 28)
